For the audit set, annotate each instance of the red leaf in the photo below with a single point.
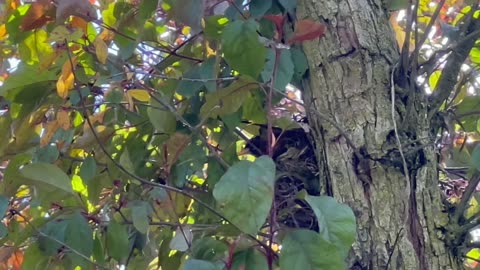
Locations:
(278, 20)
(307, 30)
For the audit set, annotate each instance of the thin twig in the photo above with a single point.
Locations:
(395, 128)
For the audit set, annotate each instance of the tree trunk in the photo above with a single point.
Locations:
(399, 217)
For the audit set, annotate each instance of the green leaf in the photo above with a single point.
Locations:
(242, 48)
(79, 235)
(476, 157)
(3, 230)
(249, 259)
(214, 26)
(300, 63)
(140, 215)
(47, 174)
(53, 233)
(189, 12)
(306, 250)
(245, 193)
(4, 202)
(336, 221)
(228, 100)
(194, 264)
(289, 5)
(88, 170)
(208, 249)
(204, 73)
(284, 69)
(258, 8)
(161, 118)
(117, 241)
(18, 78)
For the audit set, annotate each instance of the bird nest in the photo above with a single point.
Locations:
(297, 171)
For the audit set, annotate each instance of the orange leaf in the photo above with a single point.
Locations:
(79, 23)
(3, 32)
(307, 30)
(66, 80)
(37, 16)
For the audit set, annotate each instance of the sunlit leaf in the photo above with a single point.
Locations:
(49, 174)
(140, 94)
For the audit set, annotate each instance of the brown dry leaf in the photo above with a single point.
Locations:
(63, 119)
(80, 8)
(67, 78)
(174, 147)
(79, 23)
(307, 30)
(50, 129)
(101, 50)
(37, 15)
(106, 35)
(400, 34)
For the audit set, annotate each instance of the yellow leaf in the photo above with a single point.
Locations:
(66, 80)
(140, 94)
(101, 50)
(47, 61)
(3, 32)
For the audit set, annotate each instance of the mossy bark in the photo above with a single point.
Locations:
(399, 218)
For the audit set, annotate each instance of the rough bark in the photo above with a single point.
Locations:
(399, 218)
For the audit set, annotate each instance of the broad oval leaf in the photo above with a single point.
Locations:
(245, 193)
(249, 259)
(117, 241)
(284, 69)
(242, 48)
(306, 250)
(47, 174)
(336, 221)
(140, 215)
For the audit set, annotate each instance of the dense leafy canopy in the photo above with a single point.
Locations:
(123, 125)
(126, 125)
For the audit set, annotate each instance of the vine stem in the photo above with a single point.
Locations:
(270, 146)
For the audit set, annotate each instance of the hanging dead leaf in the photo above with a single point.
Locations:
(67, 79)
(101, 50)
(49, 130)
(80, 8)
(39, 14)
(307, 30)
